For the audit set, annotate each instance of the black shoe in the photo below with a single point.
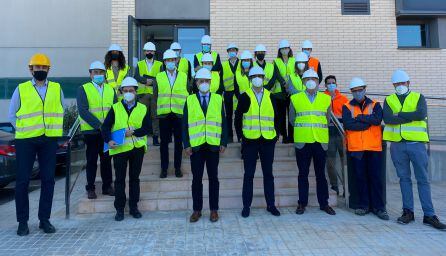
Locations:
(382, 214)
(300, 209)
(273, 210)
(245, 212)
(46, 226)
(163, 174)
(91, 194)
(109, 191)
(135, 213)
(407, 217)
(155, 141)
(328, 210)
(178, 173)
(23, 229)
(434, 222)
(335, 188)
(119, 216)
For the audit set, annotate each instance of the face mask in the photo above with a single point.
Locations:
(203, 87)
(128, 96)
(301, 66)
(170, 65)
(359, 95)
(310, 84)
(232, 54)
(40, 75)
(331, 87)
(257, 82)
(178, 53)
(208, 67)
(260, 56)
(115, 56)
(246, 64)
(285, 51)
(98, 79)
(206, 48)
(149, 55)
(307, 52)
(401, 89)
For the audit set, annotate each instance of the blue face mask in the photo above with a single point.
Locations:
(206, 48)
(359, 95)
(170, 65)
(307, 52)
(208, 67)
(246, 64)
(232, 54)
(98, 79)
(331, 87)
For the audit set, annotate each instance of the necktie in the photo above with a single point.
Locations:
(204, 104)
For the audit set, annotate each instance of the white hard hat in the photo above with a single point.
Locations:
(307, 44)
(400, 76)
(246, 55)
(175, 46)
(207, 57)
(129, 81)
(260, 48)
(284, 43)
(206, 40)
(97, 65)
(357, 82)
(301, 57)
(203, 73)
(231, 46)
(115, 47)
(169, 54)
(149, 46)
(310, 74)
(256, 70)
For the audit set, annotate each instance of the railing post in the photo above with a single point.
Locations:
(68, 180)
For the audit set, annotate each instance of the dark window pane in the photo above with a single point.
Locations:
(411, 36)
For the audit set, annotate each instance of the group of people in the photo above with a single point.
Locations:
(261, 100)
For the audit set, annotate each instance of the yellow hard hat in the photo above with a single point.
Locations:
(39, 59)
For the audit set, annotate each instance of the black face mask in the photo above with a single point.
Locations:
(149, 55)
(115, 56)
(260, 56)
(40, 75)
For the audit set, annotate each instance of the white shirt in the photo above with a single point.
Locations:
(172, 76)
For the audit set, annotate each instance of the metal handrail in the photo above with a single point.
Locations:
(68, 188)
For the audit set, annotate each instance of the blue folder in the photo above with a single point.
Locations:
(117, 136)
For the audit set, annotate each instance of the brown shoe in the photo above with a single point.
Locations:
(328, 210)
(214, 216)
(91, 194)
(195, 216)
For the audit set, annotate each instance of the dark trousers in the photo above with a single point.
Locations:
(281, 118)
(303, 158)
(197, 161)
(229, 110)
(134, 159)
(26, 151)
(368, 180)
(251, 151)
(95, 146)
(169, 125)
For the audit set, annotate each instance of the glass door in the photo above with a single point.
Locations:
(189, 38)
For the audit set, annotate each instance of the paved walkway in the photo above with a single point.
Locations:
(170, 233)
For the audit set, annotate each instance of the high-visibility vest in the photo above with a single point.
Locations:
(204, 128)
(200, 54)
(242, 81)
(296, 82)
(143, 70)
(269, 72)
(313, 63)
(215, 81)
(228, 75)
(285, 70)
(367, 140)
(98, 104)
(412, 131)
(124, 121)
(259, 120)
(115, 83)
(36, 117)
(183, 65)
(171, 99)
(310, 123)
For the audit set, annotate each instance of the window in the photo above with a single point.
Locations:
(355, 7)
(412, 35)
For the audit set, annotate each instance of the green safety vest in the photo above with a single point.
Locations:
(215, 82)
(269, 71)
(259, 120)
(183, 66)
(98, 104)
(297, 82)
(228, 75)
(285, 70)
(36, 117)
(204, 129)
(200, 54)
(143, 70)
(171, 99)
(412, 131)
(115, 83)
(310, 123)
(124, 121)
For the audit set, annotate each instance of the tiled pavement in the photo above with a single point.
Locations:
(170, 233)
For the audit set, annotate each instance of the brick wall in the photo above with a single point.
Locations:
(121, 9)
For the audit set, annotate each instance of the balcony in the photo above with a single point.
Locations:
(429, 8)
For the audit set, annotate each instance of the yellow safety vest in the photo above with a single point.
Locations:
(115, 83)
(171, 99)
(204, 129)
(228, 75)
(310, 123)
(143, 70)
(36, 117)
(98, 104)
(285, 70)
(259, 120)
(242, 81)
(269, 71)
(297, 82)
(183, 66)
(124, 121)
(200, 54)
(215, 82)
(412, 131)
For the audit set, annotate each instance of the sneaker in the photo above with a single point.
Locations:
(382, 214)
(328, 210)
(23, 229)
(434, 222)
(300, 209)
(178, 173)
(91, 194)
(407, 217)
(135, 213)
(361, 212)
(245, 212)
(119, 216)
(46, 226)
(163, 174)
(273, 210)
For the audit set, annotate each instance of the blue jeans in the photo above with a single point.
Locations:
(404, 153)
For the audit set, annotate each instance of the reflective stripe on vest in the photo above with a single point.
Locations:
(228, 75)
(285, 70)
(143, 70)
(36, 117)
(112, 81)
(203, 129)
(123, 121)
(259, 120)
(310, 123)
(98, 104)
(171, 99)
(200, 54)
(412, 131)
(215, 82)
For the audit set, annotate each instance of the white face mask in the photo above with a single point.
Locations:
(310, 84)
(401, 89)
(257, 82)
(301, 66)
(203, 87)
(128, 96)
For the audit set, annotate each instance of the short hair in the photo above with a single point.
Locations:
(329, 77)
